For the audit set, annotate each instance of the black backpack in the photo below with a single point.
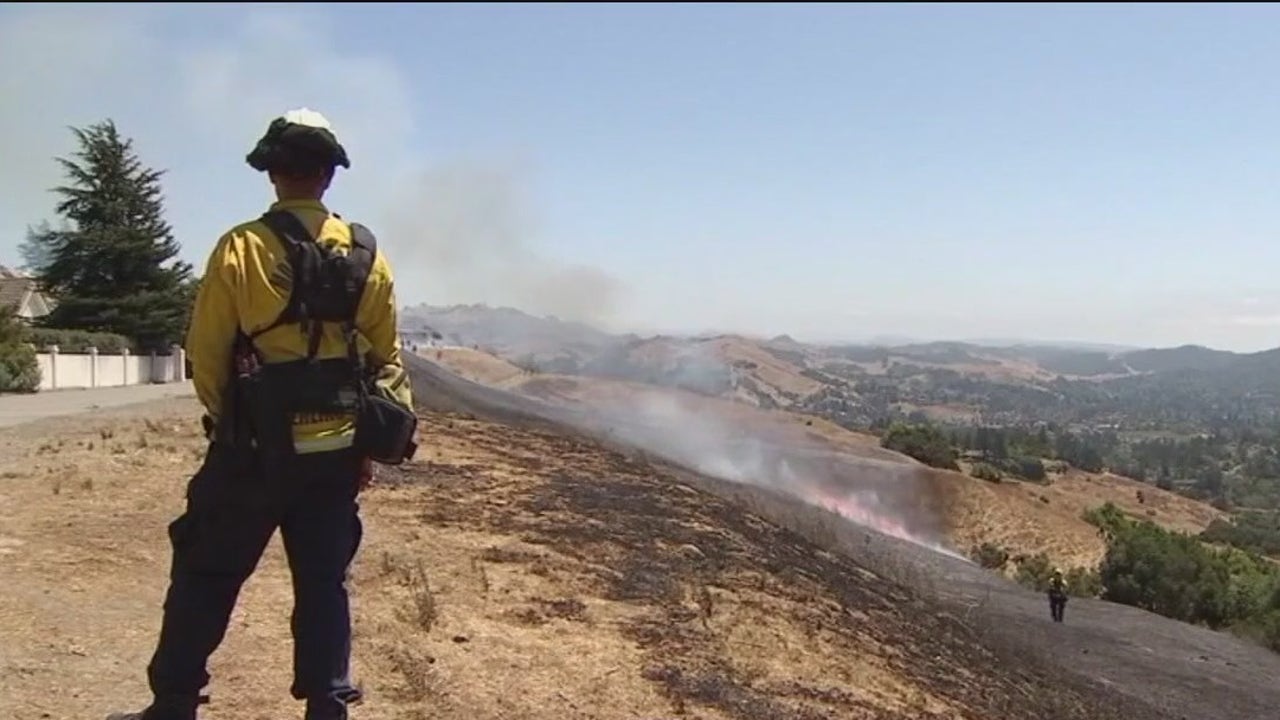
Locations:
(326, 286)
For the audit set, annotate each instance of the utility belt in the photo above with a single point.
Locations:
(262, 400)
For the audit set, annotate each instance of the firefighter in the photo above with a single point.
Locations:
(1057, 595)
(296, 359)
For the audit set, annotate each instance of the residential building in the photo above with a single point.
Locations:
(19, 292)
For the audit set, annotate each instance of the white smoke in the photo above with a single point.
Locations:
(696, 434)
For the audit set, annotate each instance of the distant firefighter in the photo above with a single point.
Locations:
(1057, 596)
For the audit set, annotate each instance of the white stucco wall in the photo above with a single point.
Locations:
(65, 371)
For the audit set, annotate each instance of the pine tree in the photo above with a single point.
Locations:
(112, 264)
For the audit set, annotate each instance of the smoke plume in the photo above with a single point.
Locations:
(463, 234)
(890, 497)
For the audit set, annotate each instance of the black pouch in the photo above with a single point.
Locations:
(384, 430)
(270, 411)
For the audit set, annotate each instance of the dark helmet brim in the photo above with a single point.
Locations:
(288, 144)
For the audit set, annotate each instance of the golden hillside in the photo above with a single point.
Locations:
(475, 365)
(758, 376)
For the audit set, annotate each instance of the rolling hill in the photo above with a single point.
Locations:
(834, 467)
(511, 333)
(1190, 418)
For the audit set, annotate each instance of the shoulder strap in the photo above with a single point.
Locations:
(304, 259)
(364, 250)
(363, 236)
(286, 226)
(292, 234)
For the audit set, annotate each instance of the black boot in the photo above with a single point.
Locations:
(326, 709)
(165, 709)
(149, 714)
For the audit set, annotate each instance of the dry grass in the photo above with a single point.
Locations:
(782, 381)
(1025, 518)
(507, 574)
(475, 365)
(767, 369)
(1028, 518)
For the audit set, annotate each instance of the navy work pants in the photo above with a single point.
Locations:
(233, 508)
(1057, 605)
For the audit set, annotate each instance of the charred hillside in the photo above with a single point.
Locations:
(665, 536)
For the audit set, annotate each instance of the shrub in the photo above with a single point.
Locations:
(1084, 582)
(990, 556)
(1108, 518)
(1263, 629)
(19, 371)
(1030, 468)
(1056, 466)
(78, 341)
(983, 471)
(1035, 572)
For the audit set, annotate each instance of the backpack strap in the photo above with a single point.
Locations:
(364, 250)
(305, 258)
(304, 261)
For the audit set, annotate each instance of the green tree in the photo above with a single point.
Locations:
(1031, 468)
(923, 442)
(1171, 574)
(112, 264)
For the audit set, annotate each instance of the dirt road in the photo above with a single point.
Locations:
(17, 409)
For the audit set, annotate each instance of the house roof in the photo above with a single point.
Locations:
(14, 287)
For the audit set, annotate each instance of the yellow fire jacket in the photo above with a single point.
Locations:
(246, 286)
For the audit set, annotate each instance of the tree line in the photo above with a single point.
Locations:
(110, 263)
(1019, 452)
(1177, 575)
(1228, 467)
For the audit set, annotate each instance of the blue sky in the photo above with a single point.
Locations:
(1053, 172)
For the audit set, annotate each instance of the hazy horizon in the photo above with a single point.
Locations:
(1104, 172)
(890, 340)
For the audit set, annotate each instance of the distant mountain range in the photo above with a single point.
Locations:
(511, 332)
(857, 384)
